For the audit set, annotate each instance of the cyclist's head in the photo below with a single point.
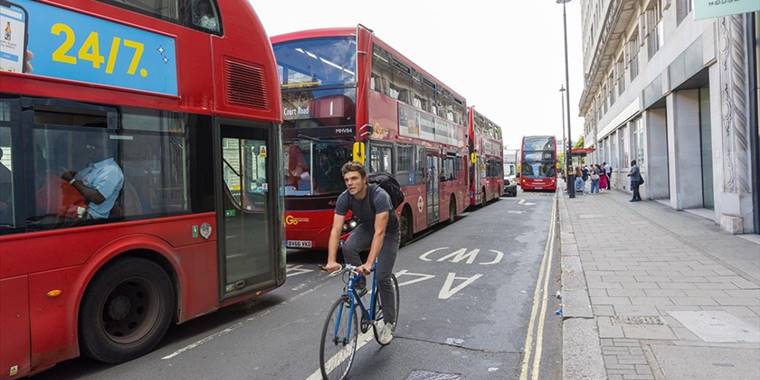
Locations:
(354, 176)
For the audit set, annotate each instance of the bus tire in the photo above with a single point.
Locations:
(452, 210)
(406, 226)
(126, 310)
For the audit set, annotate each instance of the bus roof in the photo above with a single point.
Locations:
(348, 32)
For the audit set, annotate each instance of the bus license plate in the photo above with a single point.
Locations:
(298, 243)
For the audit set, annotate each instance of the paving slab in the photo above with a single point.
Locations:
(718, 326)
(685, 362)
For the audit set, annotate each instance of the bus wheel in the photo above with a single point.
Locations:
(452, 210)
(126, 310)
(406, 227)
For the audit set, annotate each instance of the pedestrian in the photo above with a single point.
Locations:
(594, 178)
(579, 183)
(609, 177)
(636, 181)
(603, 179)
(378, 232)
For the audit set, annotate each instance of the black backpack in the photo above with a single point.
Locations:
(386, 182)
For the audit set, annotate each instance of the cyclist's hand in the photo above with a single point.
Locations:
(364, 269)
(331, 267)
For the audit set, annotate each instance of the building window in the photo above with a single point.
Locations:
(683, 8)
(620, 72)
(632, 51)
(653, 20)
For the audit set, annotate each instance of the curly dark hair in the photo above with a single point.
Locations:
(353, 166)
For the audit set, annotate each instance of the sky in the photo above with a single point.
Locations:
(505, 57)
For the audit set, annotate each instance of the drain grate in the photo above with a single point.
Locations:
(638, 319)
(419, 374)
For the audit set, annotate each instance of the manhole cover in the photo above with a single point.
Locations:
(431, 375)
(638, 319)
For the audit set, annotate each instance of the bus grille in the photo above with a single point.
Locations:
(245, 85)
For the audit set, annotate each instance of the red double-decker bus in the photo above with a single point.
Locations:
(348, 95)
(486, 159)
(138, 173)
(538, 163)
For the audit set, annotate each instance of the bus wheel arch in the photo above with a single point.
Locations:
(127, 307)
(406, 224)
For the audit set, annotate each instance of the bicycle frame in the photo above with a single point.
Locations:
(354, 300)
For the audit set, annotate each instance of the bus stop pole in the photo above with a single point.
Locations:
(570, 183)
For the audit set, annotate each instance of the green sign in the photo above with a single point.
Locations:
(718, 8)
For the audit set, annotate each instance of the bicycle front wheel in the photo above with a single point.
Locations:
(340, 335)
(380, 312)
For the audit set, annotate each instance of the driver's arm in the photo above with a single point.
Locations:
(381, 222)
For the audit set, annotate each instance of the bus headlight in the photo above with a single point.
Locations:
(349, 225)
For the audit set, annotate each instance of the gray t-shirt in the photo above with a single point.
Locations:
(363, 212)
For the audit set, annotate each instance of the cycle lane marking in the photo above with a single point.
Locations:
(335, 360)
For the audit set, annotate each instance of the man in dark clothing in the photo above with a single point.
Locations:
(377, 230)
(635, 175)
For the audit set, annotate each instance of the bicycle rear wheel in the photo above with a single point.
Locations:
(379, 307)
(338, 347)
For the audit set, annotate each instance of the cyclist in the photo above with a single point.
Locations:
(377, 231)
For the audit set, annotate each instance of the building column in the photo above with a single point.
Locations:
(732, 165)
(684, 165)
(656, 153)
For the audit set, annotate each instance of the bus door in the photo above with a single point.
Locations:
(432, 186)
(247, 208)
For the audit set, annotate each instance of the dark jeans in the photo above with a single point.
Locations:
(609, 181)
(360, 241)
(636, 195)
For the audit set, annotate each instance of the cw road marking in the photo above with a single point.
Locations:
(342, 355)
(543, 275)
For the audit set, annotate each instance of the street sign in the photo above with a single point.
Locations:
(704, 9)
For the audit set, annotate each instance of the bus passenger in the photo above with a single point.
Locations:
(99, 182)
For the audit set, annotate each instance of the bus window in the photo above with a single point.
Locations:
(405, 165)
(204, 16)
(163, 9)
(380, 159)
(6, 168)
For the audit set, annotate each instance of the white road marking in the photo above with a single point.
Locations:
(334, 361)
(295, 270)
(420, 277)
(522, 200)
(499, 256)
(460, 255)
(241, 323)
(424, 256)
(515, 212)
(447, 291)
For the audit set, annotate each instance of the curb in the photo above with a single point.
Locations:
(581, 349)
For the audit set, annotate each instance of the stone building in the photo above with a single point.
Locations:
(678, 95)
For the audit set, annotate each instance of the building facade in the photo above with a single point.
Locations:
(679, 96)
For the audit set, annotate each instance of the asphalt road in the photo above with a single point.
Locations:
(467, 301)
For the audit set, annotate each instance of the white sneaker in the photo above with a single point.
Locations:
(386, 332)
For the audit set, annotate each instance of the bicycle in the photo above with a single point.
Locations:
(341, 328)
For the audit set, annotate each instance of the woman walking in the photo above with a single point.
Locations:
(594, 178)
(603, 176)
(579, 183)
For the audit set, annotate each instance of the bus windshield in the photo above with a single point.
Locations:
(538, 143)
(534, 169)
(316, 62)
(313, 167)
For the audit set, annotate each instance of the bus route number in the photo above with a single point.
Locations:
(90, 50)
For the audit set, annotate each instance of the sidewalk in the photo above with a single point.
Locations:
(652, 293)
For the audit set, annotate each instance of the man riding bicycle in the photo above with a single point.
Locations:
(377, 230)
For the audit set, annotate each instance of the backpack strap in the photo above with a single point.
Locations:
(371, 194)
